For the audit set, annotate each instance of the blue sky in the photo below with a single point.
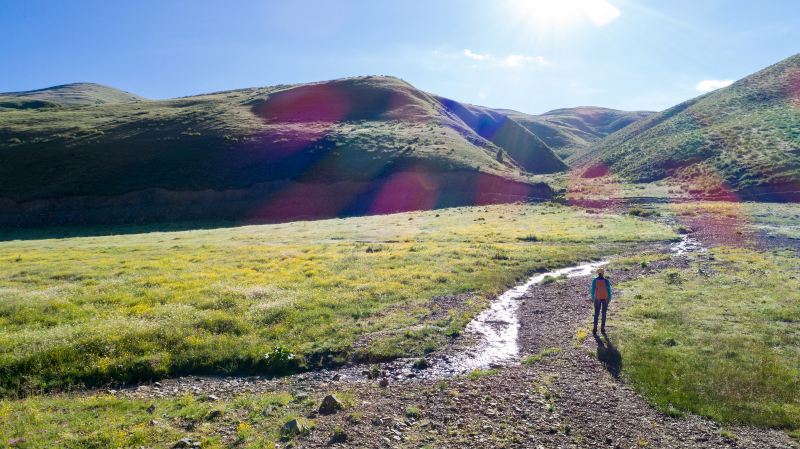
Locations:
(529, 55)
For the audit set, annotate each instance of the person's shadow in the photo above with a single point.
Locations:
(608, 354)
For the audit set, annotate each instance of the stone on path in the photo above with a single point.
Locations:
(330, 405)
(296, 427)
(185, 443)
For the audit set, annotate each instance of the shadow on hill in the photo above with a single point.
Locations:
(60, 232)
(608, 354)
(401, 189)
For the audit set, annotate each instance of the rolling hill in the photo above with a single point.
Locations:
(75, 94)
(498, 127)
(743, 138)
(84, 153)
(570, 132)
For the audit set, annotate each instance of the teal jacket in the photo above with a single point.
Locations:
(608, 286)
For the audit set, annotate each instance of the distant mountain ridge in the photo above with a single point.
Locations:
(570, 132)
(367, 144)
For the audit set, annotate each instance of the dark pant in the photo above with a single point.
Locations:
(598, 305)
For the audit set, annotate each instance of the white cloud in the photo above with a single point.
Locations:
(709, 85)
(600, 12)
(476, 56)
(517, 60)
(512, 60)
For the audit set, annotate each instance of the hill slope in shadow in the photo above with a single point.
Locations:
(349, 146)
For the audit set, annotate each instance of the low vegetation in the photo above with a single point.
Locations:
(247, 421)
(274, 298)
(719, 339)
(536, 358)
(775, 219)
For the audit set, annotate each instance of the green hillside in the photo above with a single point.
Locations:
(358, 133)
(75, 94)
(571, 131)
(745, 137)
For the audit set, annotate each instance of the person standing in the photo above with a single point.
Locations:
(601, 295)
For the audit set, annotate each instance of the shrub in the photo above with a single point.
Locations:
(673, 278)
(639, 212)
(535, 358)
(280, 361)
(420, 363)
(528, 238)
(548, 280)
(413, 412)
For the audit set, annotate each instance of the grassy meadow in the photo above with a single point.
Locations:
(105, 421)
(120, 309)
(721, 338)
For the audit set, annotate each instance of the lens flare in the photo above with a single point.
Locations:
(406, 191)
(564, 13)
(594, 188)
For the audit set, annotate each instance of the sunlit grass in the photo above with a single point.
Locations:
(536, 358)
(722, 340)
(125, 308)
(105, 421)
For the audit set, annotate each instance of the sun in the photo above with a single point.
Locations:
(564, 13)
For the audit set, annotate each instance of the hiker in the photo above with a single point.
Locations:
(601, 295)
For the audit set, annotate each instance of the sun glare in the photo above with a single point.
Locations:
(563, 13)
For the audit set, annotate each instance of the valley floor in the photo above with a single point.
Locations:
(572, 389)
(569, 393)
(570, 396)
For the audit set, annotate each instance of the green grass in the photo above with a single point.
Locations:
(105, 421)
(771, 219)
(478, 373)
(723, 343)
(536, 358)
(775, 219)
(98, 310)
